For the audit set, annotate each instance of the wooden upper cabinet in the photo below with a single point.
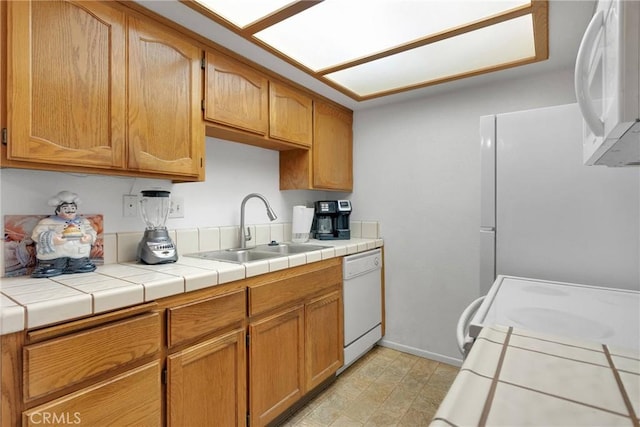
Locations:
(235, 94)
(290, 115)
(332, 148)
(329, 164)
(66, 88)
(165, 129)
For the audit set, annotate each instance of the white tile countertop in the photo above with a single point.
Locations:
(517, 377)
(27, 303)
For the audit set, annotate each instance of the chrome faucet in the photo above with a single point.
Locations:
(270, 213)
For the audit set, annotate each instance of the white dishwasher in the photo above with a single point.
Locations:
(362, 297)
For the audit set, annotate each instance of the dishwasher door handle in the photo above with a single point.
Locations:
(463, 322)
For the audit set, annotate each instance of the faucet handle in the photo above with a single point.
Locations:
(247, 236)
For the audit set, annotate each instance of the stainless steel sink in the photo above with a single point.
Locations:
(234, 255)
(289, 248)
(257, 253)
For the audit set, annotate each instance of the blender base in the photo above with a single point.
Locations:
(156, 247)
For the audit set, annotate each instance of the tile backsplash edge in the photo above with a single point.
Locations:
(122, 247)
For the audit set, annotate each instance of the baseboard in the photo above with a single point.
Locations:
(422, 353)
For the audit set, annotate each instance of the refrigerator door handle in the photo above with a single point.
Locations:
(464, 341)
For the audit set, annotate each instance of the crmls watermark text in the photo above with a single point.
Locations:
(57, 418)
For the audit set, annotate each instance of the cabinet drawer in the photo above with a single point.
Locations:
(310, 281)
(55, 364)
(190, 321)
(132, 398)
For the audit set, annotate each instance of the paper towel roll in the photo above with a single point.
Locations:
(301, 224)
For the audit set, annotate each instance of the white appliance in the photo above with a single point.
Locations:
(544, 214)
(598, 314)
(607, 84)
(362, 298)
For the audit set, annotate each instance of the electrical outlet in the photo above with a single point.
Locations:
(130, 206)
(177, 207)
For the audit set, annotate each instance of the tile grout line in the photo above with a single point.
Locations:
(544, 393)
(390, 393)
(623, 392)
(494, 382)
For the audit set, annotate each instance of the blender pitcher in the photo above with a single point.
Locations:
(156, 247)
(154, 208)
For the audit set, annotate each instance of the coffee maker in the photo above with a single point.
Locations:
(331, 220)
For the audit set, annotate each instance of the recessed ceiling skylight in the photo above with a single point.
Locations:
(370, 48)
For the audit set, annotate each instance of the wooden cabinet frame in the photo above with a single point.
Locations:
(294, 319)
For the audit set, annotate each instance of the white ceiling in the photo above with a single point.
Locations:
(567, 22)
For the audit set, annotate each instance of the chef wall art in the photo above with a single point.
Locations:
(51, 245)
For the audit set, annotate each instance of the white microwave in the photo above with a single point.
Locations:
(607, 84)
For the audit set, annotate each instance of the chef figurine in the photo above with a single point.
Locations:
(63, 241)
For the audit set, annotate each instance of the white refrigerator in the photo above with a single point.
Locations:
(544, 214)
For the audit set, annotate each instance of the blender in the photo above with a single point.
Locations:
(156, 247)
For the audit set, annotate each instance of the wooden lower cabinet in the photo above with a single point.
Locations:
(109, 369)
(62, 362)
(295, 336)
(323, 338)
(206, 367)
(206, 383)
(276, 364)
(132, 398)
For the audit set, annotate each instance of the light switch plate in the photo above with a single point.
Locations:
(177, 207)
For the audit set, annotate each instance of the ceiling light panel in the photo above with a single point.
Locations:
(243, 12)
(485, 48)
(338, 31)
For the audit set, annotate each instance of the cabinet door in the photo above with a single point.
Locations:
(332, 148)
(236, 95)
(130, 399)
(323, 339)
(207, 383)
(165, 128)
(290, 115)
(329, 164)
(276, 364)
(66, 88)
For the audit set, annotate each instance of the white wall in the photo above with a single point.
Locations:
(416, 170)
(232, 171)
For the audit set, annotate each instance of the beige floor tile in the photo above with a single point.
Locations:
(416, 418)
(384, 388)
(344, 421)
(361, 409)
(382, 418)
(378, 392)
(424, 367)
